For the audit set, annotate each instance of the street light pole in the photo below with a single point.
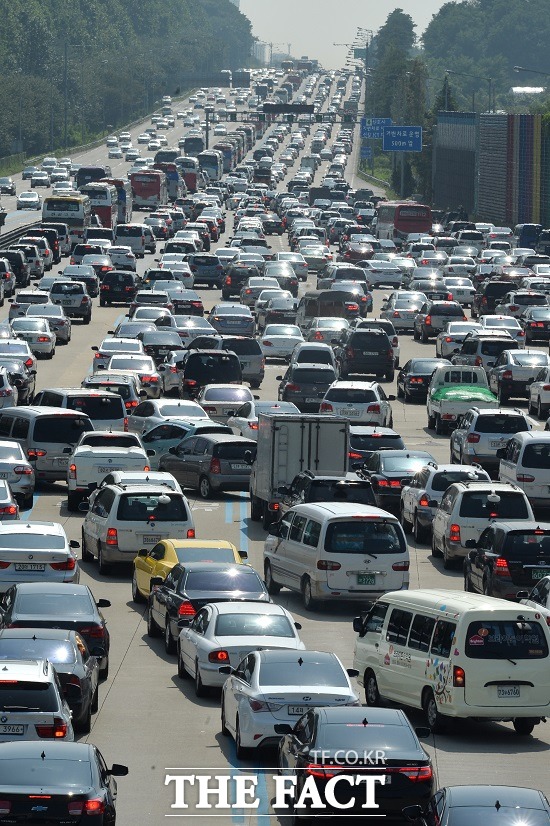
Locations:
(477, 77)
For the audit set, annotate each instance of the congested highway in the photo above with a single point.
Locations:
(151, 720)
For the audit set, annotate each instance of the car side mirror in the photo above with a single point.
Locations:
(278, 378)
(226, 669)
(118, 770)
(173, 451)
(423, 732)
(284, 490)
(412, 813)
(84, 507)
(433, 503)
(471, 543)
(357, 625)
(283, 728)
(274, 529)
(74, 543)
(151, 453)
(352, 672)
(67, 450)
(95, 349)
(103, 603)
(522, 595)
(472, 556)
(243, 554)
(143, 552)
(391, 397)
(156, 582)
(501, 453)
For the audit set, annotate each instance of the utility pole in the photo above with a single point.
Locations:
(65, 93)
(207, 129)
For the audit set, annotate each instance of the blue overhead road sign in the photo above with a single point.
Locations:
(372, 127)
(402, 139)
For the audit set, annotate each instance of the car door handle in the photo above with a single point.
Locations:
(376, 645)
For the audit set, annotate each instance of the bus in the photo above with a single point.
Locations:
(104, 201)
(90, 174)
(174, 181)
(73, 210)
(149, 189)
(396, 220)
(193, 145)
(125, 200)
(229, 155)
(211, 162)
(166, 156)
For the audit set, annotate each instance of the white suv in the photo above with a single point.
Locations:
(360, 401)
(467, 508)
(32, 702)
(121, 519)
(483, 431)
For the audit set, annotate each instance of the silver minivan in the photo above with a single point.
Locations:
(105, 409)
(44, 433)
(133, 236)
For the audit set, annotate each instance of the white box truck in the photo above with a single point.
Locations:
(289, 444)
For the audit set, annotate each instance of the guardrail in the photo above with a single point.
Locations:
(7, 238)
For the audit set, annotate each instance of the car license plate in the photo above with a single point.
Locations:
(108, 469)
(240, 467)
(151, 539)
(297, 711)
(233, 323)
(67, 303)
(498, 444)
(29, 566)
(538, 573)
(4, 475)
(366, 579)
(506, 691)
(10, 728)
(62, 462)
(369, 353)
(228, 412)
(352, 413)
(311, 401)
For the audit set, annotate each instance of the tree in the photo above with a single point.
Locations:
(397, 31)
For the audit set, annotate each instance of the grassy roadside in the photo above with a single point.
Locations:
(380, 174)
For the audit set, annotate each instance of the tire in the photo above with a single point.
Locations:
(267, 518)
(540, 410)
(182, 672)
(200, 689)
(310, 604)
(400, 394)
(104, 672)
(137, 596)
(255, 509)
(169, 641)
(435, 550)
(439, 428)
(95, 701)
(390, 375)
(243, 753)
(434, 720)
(431, 422)
(372, 695)
(102, 567)
(448, 561)
(87, 319)
(255, 385)
(73, 501)
(102, 303)
(524, 726)
(419, 531)
(224, 729)
(485, 587)
(27, 504)
(86, 555)
(84, 725)
(502, 397)
(273, 588)
(405, 524)
(467, 584)
(152, 628)
(423, 337)
(530, 408)
(205, 488)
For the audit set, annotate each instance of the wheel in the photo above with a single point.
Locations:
(255, 509)
(103, 567)
(182, 672)
(431, 422)
(51, 355)
(73, 500)
(530, 406)
(87, 319)
(85, 724)
(104, 672)
(200, 690)
(439, 427)
(372, 695)
(540, 410)
(435, 550)
(524, 725)
(205, 488)
(86, 555)
(419, 531)
(267, 517)
(502, 397)
(255, 384)
(448, 561)
(242, 752)
(485, 588)
(406, 525)
(152, 627)
(423, 337)
(169, 641)
(310, 604)
(27, 503)
(434, 719)
(95, 701)
(399, 392)
(137, 596)
(390, 375)
(272, 587)
(467, 584)
(225, 730)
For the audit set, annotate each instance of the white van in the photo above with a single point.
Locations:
(525, 462)
(133, 236)
(336, 550)
(105, 409)
(456, 655)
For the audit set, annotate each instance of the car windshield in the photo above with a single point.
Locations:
(495, 423)
(54, 604)
(46, 774)
(58, 652)
(511, 505)
(301, 673)
(510, 639)
(154, 507)
(252, 625)
(238, 578)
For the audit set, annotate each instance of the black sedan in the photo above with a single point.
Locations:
(364, 440)
(174, 601)
(390, 471)
(414, 378)
(536, 323)
(161, 343)
(51, 783)
(77, 669)
(327, 742)
(490, 805)
(59, 605)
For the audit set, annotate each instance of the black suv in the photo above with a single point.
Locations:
(19, 266)
(488, 296)
(237, 274)
(307, 487)
(201, 367)
(160, 343)
(305, 385)
(117, 286)
(52, 238)
(365, 352)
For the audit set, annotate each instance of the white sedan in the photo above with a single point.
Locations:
(272, 687)
(362, 401)
(504, 323)
(223, 633)
(220, 401)
(152, 412)
(245, 420)
(279, 340)
(123, 258)
(36, 332)
(29, 200)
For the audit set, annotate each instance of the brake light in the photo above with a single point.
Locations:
(220, 656)
(424, 502)
(56, 731)
(525, 477)
(448, 339)
(328, 565)
(507, 374)
(7, 392)
(215, 466)
(9, 510)
(326, 408)
(454, 533)
(68, 565)
(131, 405)
(190, 382)
(350, 352)
(4, 565)
(501, 567)
(72, 471)
(514, 307)
(112, 536)
(479, 361)
(293, 387)
(28, 362)
(415, 380)
(459, 677)
(21, 470)
(94, 631)
(473, 438)
(428, 320)
(35, 453)
(186, 609)
(418, 774)
(353, 455)
(373, 408)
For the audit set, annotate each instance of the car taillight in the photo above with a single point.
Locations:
(353, 455)
(96, 632)
(150, 379)
(72, 471)
(35, 453)
(416, 774)
(131, 405)
(94, 806)
(186, 609)
(459, 677)
(258, 705)
(514, 307)
(507, 374)
(326, 408)
(478, 361)
(215, 466)
(401, 566)
(373, 408)
(428, 320)
(473, 438)
(293, 387)
(525, 477)
(328, 565)
(424, 502)
(484, 300)
(501, 567)
(112, 536)
(57, 730)
(450, 298)
(454, 533)
(189, 382)
(9, 510)
(415, 380)
(7, 392)
(68, 565)
(28, 362)
(350, 352)
(85, 299)
(22, 470)
(219, 656)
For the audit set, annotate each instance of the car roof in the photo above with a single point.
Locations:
(52, 751)
(282, 655)
(339, 509)
(520, 525)
(513, 797)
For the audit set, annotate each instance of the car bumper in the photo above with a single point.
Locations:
(323, 591)
(515, 388)
(221, 482)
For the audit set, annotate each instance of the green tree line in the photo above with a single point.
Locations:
(121, 56)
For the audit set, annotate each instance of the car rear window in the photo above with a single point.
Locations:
(98, 407)
(213, 368)
(370, 339)
(250, 625)
(364, 536)
(27, 694)
(376, 441)
(112, 440)
(243, 346)
(231, 579)
(329, 490)
(302, 673)
(537, 456)
(501, 424)
(495, 348)
(527, 542)
(441, 481)
(65, 430)
(447, 309)
(147, 507)
(511, 506)
(128, 232)
(343, 394)
(314, 376)
(206, 260)
(497, 290)
(122, 390)
(234, 452)
(511, 639)
(54, 605)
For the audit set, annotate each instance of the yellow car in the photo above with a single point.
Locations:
(159, 560)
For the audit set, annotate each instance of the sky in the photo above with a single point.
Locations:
(312, 26)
